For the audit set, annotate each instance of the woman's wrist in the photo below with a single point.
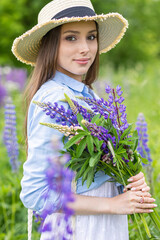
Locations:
(88, 205)
(105, 205)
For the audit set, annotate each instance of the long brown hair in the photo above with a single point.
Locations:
(46, 65)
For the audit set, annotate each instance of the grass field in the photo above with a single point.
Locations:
(141, 87)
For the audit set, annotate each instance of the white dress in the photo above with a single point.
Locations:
(94, 227)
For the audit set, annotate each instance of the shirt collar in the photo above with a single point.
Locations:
(70, 82)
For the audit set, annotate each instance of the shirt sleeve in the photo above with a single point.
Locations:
(34, 186)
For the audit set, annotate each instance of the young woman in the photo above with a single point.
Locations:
(64, 47)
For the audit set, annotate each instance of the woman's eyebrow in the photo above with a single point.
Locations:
(76, 32)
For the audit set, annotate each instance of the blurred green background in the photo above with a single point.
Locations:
(134, 64)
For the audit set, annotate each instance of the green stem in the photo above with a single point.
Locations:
(120, 173)
(155, 218)
(141, 236)
(4, 214)
(145, 224)
(111, 168)
(157, 215)
(114, 156)
(129, 172)
(13, 212)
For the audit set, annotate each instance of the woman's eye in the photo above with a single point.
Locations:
(70, 38)
(92, 37)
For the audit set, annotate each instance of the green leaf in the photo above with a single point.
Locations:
(90, 177)
(67, 164)
(95, 118)
(81, 131)
(126, 142)
(135, 135)
(114, 133)
(136, 166)
(76, 166)
(129, 139)
(144, 160)
(94, 159)
(79, 118)
(130, 164)
(126, 132)
(125, 155)
(120, 150)
(90, 144)
(82, 169)
(74, 160)
(81, 147)
(84, 177)
(74, 140)
(97, 143)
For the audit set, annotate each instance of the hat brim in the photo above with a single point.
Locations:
(112, 27)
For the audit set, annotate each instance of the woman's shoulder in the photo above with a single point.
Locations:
(52, 91)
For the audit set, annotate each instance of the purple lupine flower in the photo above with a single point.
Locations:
(58, 180)
(3, 94)
(108, 89)
(59, 113)
(141, 127)
(118, 90)
(83, 111)
(115, 99)
(98, 106)
(113, 108)
(101, 133)
(10, 135)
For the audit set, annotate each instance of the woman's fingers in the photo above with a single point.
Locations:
(140, 210)
(146, 189)
(133, 202)
(146, 205)
(139, 192)
(136, 177)
(143, 188)
(145, 200)
(143, 194)
(139, 182)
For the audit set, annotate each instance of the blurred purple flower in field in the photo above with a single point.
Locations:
(3, 94)
(141, 127)
(10, 135)
(17, 76)
(58, 179)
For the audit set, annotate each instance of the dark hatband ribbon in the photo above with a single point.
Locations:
(75, 12)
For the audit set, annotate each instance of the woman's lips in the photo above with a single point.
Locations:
(82, 60)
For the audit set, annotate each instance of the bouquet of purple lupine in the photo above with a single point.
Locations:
(99, 139)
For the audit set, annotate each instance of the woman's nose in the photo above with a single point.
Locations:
(84, 48)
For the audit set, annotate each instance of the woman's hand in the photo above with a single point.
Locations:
(132, 202)
(137, 183)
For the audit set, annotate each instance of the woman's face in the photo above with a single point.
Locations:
(78, 48)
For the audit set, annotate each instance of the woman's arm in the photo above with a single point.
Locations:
(133, 201)
(34, 184)
(126, 203)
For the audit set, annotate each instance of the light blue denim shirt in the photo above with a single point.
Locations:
(33, 182)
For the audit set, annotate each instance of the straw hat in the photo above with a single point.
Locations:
(112, 27)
